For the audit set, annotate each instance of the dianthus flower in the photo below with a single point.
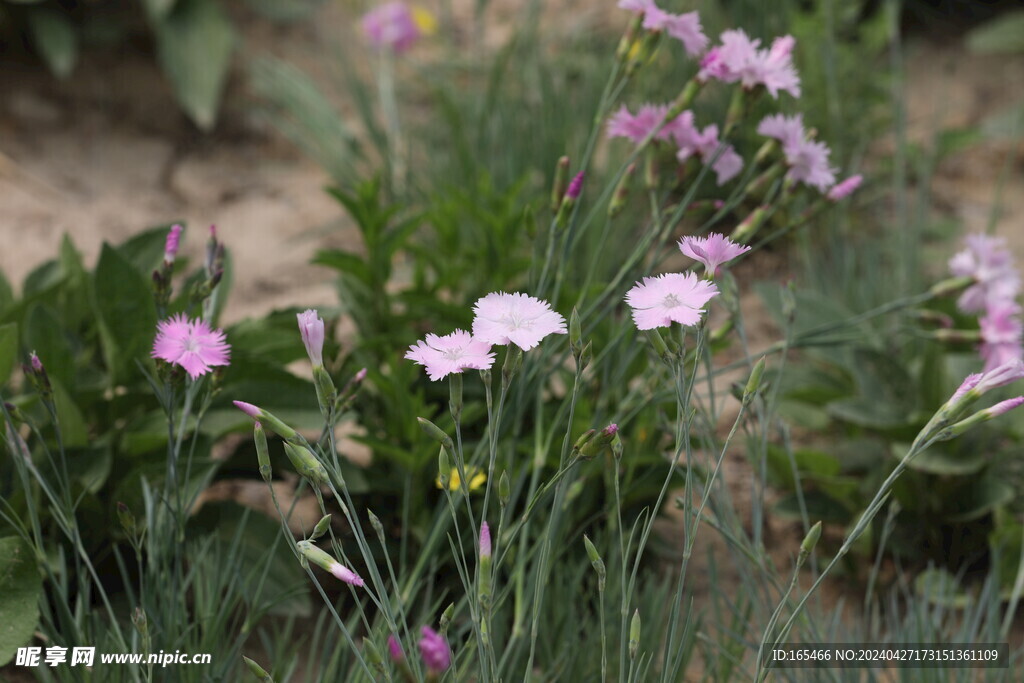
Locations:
(712, 251)
(452, 353)
(739, 58)
(673, 297)
(192, 344)
(391, 25)
(685, 28)
(515, 319)
(636, 127)
(1001, 334)
(988, 261)
(704, 144)
(808, 160)
(434, 650)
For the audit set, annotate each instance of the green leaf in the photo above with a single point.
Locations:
(979, 497)
(195, 43)
(1002, 35)
(6, 294)
(8, 350)
(939, 587)
(343, 262)
(73, 430)
(55, 38)
(145, 250)
(45, 335)
(20, 587)
(126, 311)
(943, 459)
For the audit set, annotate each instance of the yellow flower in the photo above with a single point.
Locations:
(476, 479)
(424, 20)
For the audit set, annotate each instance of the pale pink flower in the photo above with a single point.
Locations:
(740, 58)
(452, 353)
(844, 189)
(171, 244)
(636, 128)
(685, 28)
(705, 144)
(808, 160)
(392, 26)
(311, 327)
(1001, 334)
(969, 383)
(515, 319)
(1004, 406)
(1010, 371)
(990, 263)
(485, 540)
(712, 251)
(192, 344)
(673, 297)
(434, 649)
(345, 574)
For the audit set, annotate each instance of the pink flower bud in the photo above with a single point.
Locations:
(37, 365)
(359, 376)
(844, 189)
(248, 408)
(434, 649)
(1005, 406)
(311, 327)
(171, 245)
(575, 186)
(342, 572)
(395, 649)
(485, 540)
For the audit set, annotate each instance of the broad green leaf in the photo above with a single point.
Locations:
(125, 307)
(73, 430)
(195, 43)
(8, 350)
(343, 262)
(6, 294)
(55, 38)
(20, 587)
(1002, 35)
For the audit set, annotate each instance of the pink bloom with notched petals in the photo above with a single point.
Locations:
(392, 26)
(192, 344)
(712, 251)
(788, 130)
(808, 160)
(1002, 333)
(844, 189)
(575, 186)
(311, 327)
(673, 297)
(685, 28)
(727, 163)
(989, 262)
(1008, 372)
(740, 58)
(434, 650)
(452, 353)
(623, 124)
(515, 319)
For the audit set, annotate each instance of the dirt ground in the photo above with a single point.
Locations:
(106, 154)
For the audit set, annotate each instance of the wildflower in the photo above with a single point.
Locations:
(515, 319)
(171, 245)
(1004, 406)
(485, 540)
(1010, 371)
(452, 353)
(484, 584)
(637, 127)
(739, 58)
(477, 478)
(844, 189)
(673, 297)
(575, 186)
(704, 144)
(395, 648)
(1001, 332)
(712, 251)
(807, 159)
(392, 25)
(594, 443)
(192, 344)
(311, 327)
(685, 28)
(262, 416)
(990, 263)
(435, 651)
(318, 557)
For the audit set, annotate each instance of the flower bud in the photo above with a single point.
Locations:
(311, 328)
(950, 286)
(750, 225)
(596, 445)
(373, 655)
(266, 418)
(484, 584)
(595, 560)
(326, 393)
(140, 622)
(575, 333)
(127, 519)
(306, 464)
(262, 451)
(312, 554)
(257, 671)
(444, 468)
(658, 344)
(321, 527)
(504, 489)
(559, 184)
(807, 545)
(436, 433)
(446, 618)
(628, 37)
(754, 382)
(375, 524)
(455, 395)
(171, 244)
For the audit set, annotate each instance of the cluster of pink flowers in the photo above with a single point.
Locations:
(740, 59)
(993, 296)
(680, 297)
(501, 319)
(689, 140)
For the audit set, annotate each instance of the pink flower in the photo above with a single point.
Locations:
(969, 383)
(311, 327)
(685, 28)
(515, 319)
(171, 245)
(249, 409)
(622, 124)
(1008, 372)
(485, 540)
(808, 160)
(844, 189)
(673, 297)
(740, 59)
(193, 345)
(452, 353)
(434, 649)
(345, 574)
(712, 251)
(395, 648)
(391, 25)
(575, 186)
(705, 145)
(1001, 334)
(989, 262)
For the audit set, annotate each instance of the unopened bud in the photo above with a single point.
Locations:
(373, 655)
(268, 419)
(658, 343)
(446, 618)
(140, 622)
(950, 286)
(306, 463)
(444, 468)
(807, 545)
(262, 452)
(257, 671)
(455, 395)
(435, 433)
(634, 634)
(504, 489)
(595, 560)
(575, 333)
(127, 519)
(596, 445)
(559, 184)
(321, 527)
(750, 225)
(754, 382)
